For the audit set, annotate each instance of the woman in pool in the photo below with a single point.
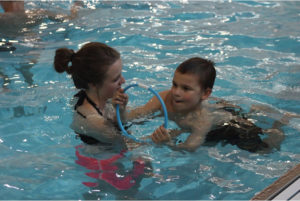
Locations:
(96, 70)
(186, 104)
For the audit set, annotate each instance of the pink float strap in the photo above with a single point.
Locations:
(107, 170)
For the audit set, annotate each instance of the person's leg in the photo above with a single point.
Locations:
(275, 133)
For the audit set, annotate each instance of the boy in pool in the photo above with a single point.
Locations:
(187, 106)
(192, 84)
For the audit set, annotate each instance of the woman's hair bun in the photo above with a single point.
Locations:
(62, 58)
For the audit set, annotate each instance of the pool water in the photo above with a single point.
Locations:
(254, 44)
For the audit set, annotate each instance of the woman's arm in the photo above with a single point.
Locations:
(97, 127)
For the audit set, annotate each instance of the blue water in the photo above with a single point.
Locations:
(256, 47)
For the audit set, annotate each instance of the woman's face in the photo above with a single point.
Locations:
(113, 80)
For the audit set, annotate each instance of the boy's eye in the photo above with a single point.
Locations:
(186, 88)
(174, 84)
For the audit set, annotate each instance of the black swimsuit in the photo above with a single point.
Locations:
(242, 133)
(85, 138)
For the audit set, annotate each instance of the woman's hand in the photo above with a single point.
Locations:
(160, 135)
(120, 98)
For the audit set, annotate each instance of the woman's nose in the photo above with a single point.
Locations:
(122, 80)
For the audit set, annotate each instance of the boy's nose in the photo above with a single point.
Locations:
(176, 91)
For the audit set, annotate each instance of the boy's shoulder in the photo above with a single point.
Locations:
(165, 95)
(165, 92)
(201, 113)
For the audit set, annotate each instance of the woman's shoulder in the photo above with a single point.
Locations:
(87, 110)
(86, 120)
(93, 125)
(109, 111)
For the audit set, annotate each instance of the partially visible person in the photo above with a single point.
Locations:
(16, 18)
(188, 106)
(19, 30)
(12, 6)
(18, 7)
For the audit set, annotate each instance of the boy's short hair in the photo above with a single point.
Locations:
(203, 68)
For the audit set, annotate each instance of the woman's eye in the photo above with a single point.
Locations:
(117, 79)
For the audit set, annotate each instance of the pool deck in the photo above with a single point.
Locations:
(287, 187)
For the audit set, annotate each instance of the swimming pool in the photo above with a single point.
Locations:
(256, 49)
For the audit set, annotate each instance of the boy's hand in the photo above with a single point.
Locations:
(160, 135)
(120, 98)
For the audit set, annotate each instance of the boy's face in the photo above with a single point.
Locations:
(186, 92)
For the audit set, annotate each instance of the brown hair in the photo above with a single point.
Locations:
(203, 68)
(88, 65)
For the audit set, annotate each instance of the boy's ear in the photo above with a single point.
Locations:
(206, 93)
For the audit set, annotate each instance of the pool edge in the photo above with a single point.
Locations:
(280, 183)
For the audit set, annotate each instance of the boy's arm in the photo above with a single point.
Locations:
(194, 140)
(150, 107)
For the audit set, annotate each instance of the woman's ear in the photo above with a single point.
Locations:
(91, 86)
(206, 93)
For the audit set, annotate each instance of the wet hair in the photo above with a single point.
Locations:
(203, 68)
(88, 65)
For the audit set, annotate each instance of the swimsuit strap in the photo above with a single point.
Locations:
(93, 104)
(81, 96)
